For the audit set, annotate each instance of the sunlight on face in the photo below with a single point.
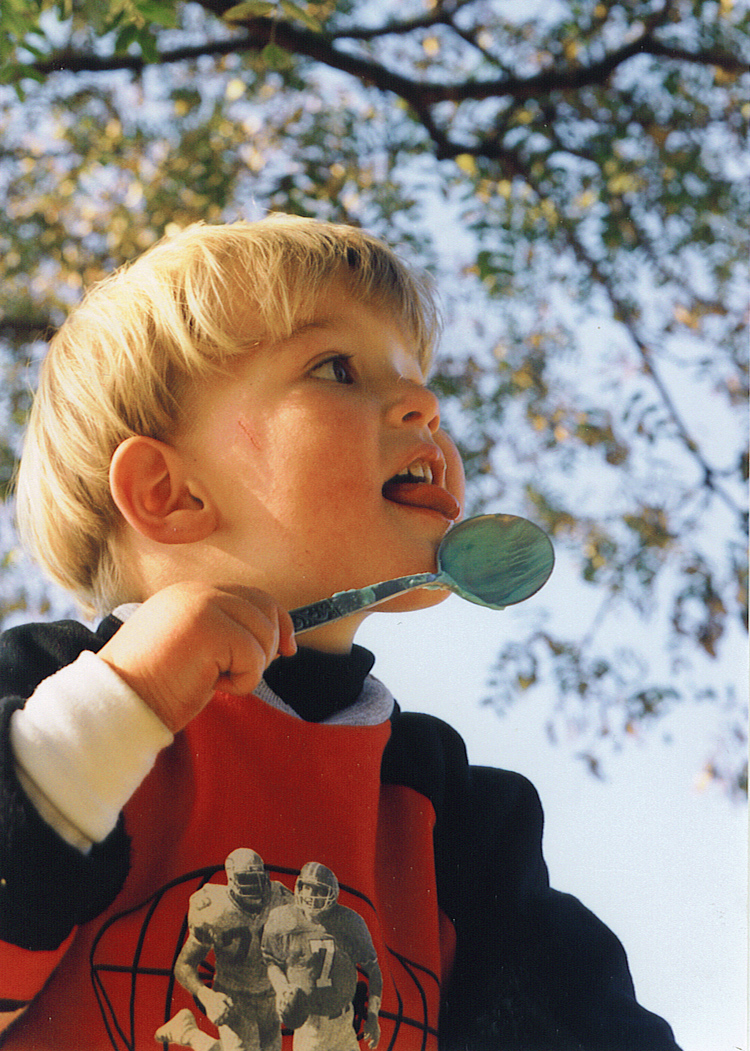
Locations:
(324, 457)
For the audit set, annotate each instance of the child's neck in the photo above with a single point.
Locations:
(318, 684)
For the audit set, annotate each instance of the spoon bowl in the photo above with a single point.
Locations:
(495, 560)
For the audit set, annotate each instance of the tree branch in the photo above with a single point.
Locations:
(69, 61)
(623, 313)
(321, 47)
(726, 61)
(26, 327)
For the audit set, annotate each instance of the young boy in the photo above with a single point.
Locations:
(234, 426)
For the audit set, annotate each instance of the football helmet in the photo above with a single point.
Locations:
(316, 889)
(248, 881)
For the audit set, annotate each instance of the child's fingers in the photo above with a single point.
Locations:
(279, 617)
(190, 638)
(256, 632)
(287, 640)
(260, 614)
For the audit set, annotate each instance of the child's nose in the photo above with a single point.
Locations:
(415, 404)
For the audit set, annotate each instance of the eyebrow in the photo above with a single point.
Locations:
(278, 341)
(308, 326)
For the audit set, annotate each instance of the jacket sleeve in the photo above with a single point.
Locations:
(534, 967)
(47, 887)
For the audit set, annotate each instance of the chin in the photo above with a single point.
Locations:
(421, 598)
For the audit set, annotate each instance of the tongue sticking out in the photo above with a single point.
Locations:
(423, 494)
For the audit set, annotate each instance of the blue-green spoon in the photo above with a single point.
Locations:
(493, 560)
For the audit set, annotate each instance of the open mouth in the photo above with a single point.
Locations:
(415, 487)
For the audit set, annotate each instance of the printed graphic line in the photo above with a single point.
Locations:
(413, 1022)
(121, 968)
(407, 963)
(425, 1011)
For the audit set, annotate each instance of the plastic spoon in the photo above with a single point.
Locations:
(493, 560)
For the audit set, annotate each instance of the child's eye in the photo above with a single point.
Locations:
(337, 368)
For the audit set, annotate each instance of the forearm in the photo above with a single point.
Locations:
(190, 981)
(374, 980)
(69, 760)
(278, 979)
(82, 744)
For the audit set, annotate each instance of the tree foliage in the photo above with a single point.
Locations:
(574, 173)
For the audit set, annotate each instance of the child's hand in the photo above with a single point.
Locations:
(191, 639)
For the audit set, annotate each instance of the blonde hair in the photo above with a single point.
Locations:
(123, 361)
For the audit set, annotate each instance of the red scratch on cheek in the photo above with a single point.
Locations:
(244, 427)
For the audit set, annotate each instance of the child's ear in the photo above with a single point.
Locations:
(155, 494)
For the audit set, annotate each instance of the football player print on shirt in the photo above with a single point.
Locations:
(312, 948)
(278, 960)
(228, 920)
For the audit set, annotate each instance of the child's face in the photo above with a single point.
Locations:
(296, 447)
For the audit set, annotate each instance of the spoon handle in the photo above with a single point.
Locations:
(345, 602)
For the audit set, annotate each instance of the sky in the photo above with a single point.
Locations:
(656, 853)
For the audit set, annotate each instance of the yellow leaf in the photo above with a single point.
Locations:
(431, 46)
(467, 163)
(549, 211)
(686, 317)
(234, 90)
(623, 182)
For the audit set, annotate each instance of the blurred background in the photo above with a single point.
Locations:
(574, 175)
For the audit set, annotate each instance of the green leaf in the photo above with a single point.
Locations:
(158, 13)
(274, 56)
(298, 13)
(127, 36)
(147, 42)
(249, 9)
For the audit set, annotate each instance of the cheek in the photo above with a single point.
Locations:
(241, 459)
(335, 446)
(247, 432)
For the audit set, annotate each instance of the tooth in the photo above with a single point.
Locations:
(420, 471)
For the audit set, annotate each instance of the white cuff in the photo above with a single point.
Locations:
(85, 741)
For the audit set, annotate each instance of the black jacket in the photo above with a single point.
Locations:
(534, 971)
